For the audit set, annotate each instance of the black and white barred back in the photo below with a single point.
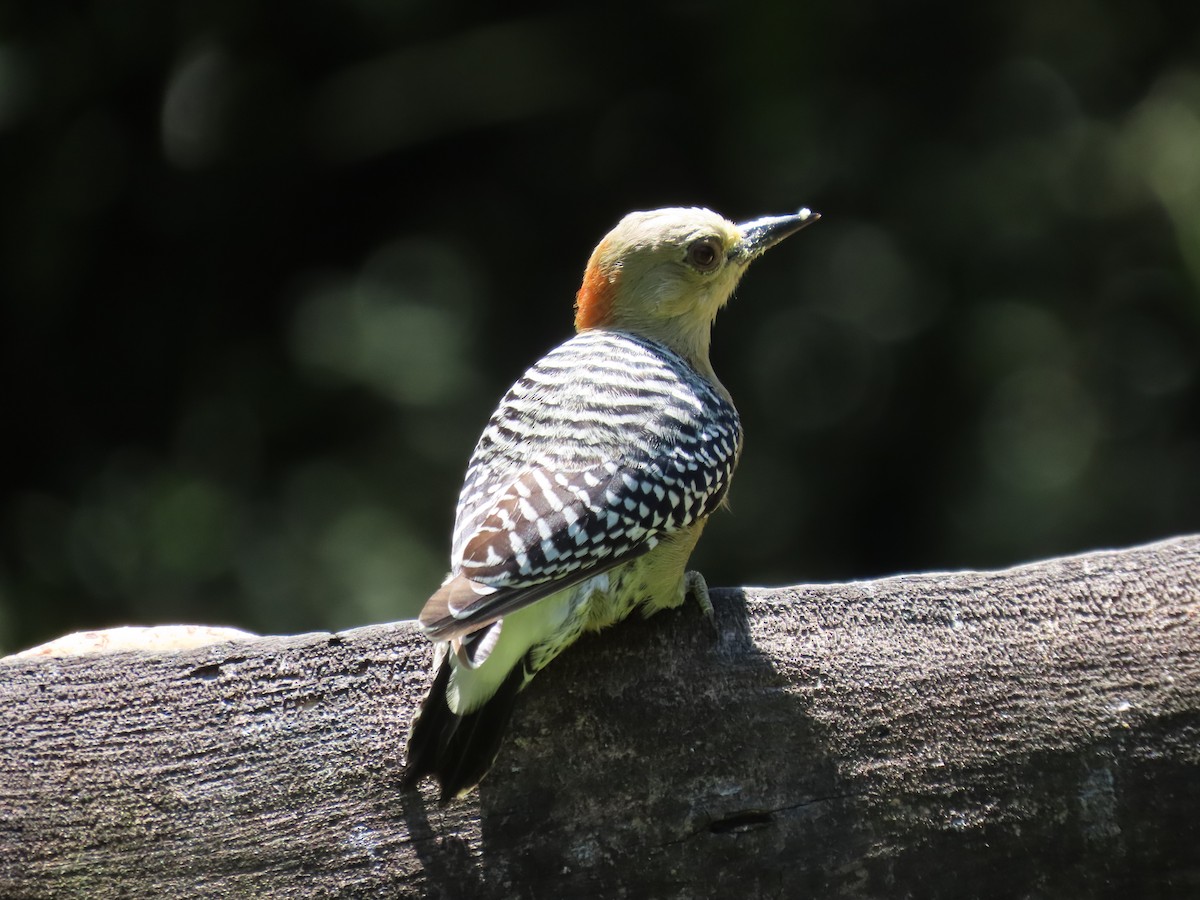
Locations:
(607, 443)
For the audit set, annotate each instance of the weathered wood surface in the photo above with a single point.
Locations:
(1027, 733)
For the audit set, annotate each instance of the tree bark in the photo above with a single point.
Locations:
(1033, 732)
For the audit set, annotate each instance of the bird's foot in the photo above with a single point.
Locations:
(694, 584)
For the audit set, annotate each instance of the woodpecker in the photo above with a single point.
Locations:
(592, 481)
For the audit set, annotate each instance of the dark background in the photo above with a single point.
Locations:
(266, 268)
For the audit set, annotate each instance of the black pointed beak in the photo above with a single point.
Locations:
(760, 235)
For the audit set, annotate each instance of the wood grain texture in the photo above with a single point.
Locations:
(1027, 733)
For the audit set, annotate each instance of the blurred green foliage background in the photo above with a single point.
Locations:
(266, 268)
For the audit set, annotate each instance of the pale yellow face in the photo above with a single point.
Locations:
(671, 264)
(666, 273)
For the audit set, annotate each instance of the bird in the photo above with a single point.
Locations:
(591, 483)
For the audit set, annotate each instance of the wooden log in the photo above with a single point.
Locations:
(1030, 732)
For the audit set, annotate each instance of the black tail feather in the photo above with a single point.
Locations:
(458, 750)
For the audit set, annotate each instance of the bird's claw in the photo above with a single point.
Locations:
(694, 584)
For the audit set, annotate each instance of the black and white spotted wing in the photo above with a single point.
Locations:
(604, 446)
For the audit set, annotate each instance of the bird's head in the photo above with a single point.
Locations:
(665, 273)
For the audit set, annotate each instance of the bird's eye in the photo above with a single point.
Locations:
(705, 254)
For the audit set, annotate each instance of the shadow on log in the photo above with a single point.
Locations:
(1027, 733)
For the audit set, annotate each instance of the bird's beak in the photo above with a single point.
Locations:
(760, 235)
